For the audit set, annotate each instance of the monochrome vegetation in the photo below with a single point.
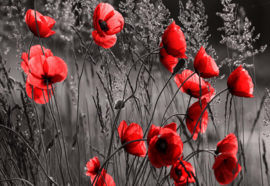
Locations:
(122, 94)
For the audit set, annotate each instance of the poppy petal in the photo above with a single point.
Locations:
(38, 93)
(49, 21)
(228, 145)
(121, 129)
(115, 23)
(104, 41)
(35, 65)
(167, 60)
(55, 68)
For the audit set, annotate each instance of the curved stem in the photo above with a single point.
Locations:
(19, 179)
(152, 116)
(35, 4)
(115, 153)
(171, 117)
(2, 126)
(198, 151)
(203, 112)
(175, 95)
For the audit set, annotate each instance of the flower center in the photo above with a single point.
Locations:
(103, 25)
(161, 145)
(178, 172)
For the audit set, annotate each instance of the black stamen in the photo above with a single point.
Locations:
(161, 145)
(103, 25)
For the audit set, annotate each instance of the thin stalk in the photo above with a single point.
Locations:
(203, 113)
(175, 95)
(33, 152)
(122, 146)
(62, 133)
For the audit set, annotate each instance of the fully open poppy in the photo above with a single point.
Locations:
(192, 86)
(240, 83)
(165, 146)
(205, 65)
(45, 23)
(45, 71)
(228, 145)
(226, 168)
(107, 22)
(182, 175)
(130, 133)
(167, 60)
(194, 112)
(93, 166)
(34, 51)
(174, 41)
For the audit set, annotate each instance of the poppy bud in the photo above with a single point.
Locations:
(179, 65)
(119, 105)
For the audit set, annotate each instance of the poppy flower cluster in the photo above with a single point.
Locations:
(226, 166)
(42, 72)
(93, 167)
(107, 22)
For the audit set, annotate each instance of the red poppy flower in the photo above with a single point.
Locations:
(38, 93)
(174, 41)
(104, 179)
(44, 23)
(130, 133)
(228, 145)
(240, 83)
(93, 166)
(34, 51)
(179, 174)
(107, 22)
(165, 146)
(205, 65)
(226, 168)
(52, 69)
(194, 112)
(192, 85)
(167, 60)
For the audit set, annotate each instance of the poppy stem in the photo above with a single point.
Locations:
(152, 116)
(144, 139)
(211, 151)
(30, 46)
(22, 138)
(175, 95)
(208, 104)
(173, 116)
(35, 4)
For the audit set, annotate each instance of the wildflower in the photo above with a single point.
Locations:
(165, 145)
(104, 179)
(93, 166)
(46, 71)
(107, 22)
(205, 65)
(194, 112)
(130, 133)
(182, 175)
(192, 85)
(45, 23)
(34, 51)
(174, 41)
(240, 83)
(228, 145)
(226, 168)
(167, 60)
